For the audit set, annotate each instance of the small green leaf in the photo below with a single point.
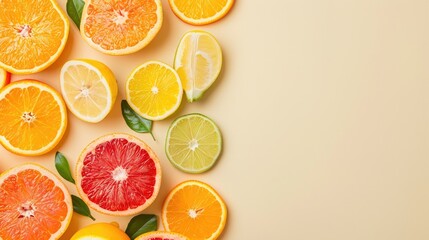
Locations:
(134, 121)
(74, 10)
(63, 168)
(80, 207)
(140, 224)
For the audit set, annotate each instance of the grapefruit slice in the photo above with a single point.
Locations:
(34, 204)
(118, 174)
(120, 27)
(161, 235)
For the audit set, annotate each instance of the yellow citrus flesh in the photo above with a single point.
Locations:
(89, 89)
(161, 235)
(200, 12)
(196, 210)
(100, 231)
(154, 90)
(33, 34)
(34, 204)
(198, 62)
(33, 117)
(120, 27)
(193, 143)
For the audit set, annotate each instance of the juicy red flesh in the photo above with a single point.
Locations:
(118, 195)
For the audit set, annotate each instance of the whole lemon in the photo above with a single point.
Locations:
(100, 231)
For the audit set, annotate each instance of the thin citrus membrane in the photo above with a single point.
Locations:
(196, 210)
(34, 204)
(120, 27)
(34, 34)
(4, 78)
(118, 174)
(33, 117)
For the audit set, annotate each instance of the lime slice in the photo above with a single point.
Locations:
(193, 143)
(198, 62)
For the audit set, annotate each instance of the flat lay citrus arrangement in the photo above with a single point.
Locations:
(115, 174)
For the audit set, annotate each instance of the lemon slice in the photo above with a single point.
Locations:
(89, 89)
(198, 62)
(154, 90)
(193, 143)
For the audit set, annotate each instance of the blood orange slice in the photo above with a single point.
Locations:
(118, 174)
(34, 204)
(160, 235)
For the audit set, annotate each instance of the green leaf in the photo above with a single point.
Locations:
(134, 121)
(140, 224)
(63, 168)
(80, 207)
(74, 10)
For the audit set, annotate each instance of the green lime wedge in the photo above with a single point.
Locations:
(193, 143)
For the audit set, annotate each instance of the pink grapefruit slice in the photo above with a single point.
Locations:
(118, 174)
(161, 235)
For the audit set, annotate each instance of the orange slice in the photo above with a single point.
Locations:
(195, 210)
(200, 12)
(33, 34)
(34, 204)
(4, 78)
(120, 27)
(33, 117)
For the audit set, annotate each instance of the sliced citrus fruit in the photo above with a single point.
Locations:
(154, 90)
(33, 117)
(34, 204)
(118, 174)
(120, 27)
(4, 78)
(198, 62)
(100, 231)
(194, 209)
(89, 89)
(200, 12)
(193, 143)
(161, 235)
(33, 34)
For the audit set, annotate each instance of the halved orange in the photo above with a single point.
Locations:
(194, 209)
(33, 117)
(33, 34)
(200, 12)
(34, 204)
(120, 27)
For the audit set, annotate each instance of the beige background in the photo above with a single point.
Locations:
(324, 109)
